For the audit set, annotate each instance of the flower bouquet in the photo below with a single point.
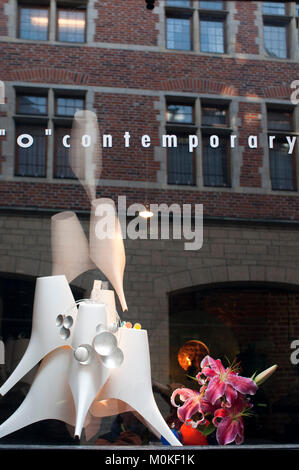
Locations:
(222, 401)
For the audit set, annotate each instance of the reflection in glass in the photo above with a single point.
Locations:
(32, 104)
(215, 164)
(178, 3)
(179, 113)
(34, 24)
(212, 116)
(68, 106)
(178, 33)
(275, 40)
(211, 5)
(211, 36)
(274, 8)
(71, 26)
(31, 161)
(180, 163)
(281, 166)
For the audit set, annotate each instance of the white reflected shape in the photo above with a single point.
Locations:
(107, 252)
(86, 379)
(70, 250)
(131, 383)
(2, 92)
(49, 397)
(86, 162)
(52, 297)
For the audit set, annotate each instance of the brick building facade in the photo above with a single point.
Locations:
(184, 68)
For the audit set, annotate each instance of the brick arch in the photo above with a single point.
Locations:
(282, 91)
(223, 274)
(51, 75)
(198, 85)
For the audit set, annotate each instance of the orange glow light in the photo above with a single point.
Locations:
(192, 353)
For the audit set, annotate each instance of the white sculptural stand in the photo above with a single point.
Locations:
(77, 393)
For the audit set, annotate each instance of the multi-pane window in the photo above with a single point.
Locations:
(32, 104)
(69, 26)
(212, 35)
(31, 161)
(215, 163)
(179, 113)
(178, 33)
(32, 118)
(275, 40)
(215, 159)
(67, 106)
(209, 5)
(180, 163)
(178, 3)
(276, 29)
(214, 116)
(282, 164)
(62, 167)
(210, 18)
(274, 8)
(33, 23)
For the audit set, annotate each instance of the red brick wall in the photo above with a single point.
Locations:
(129, 22)
(125, 22)
(247, 31)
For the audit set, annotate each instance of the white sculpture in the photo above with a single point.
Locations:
(91, 368)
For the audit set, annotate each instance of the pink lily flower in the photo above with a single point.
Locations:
(223, 382)
(229, 422)
(190, 412)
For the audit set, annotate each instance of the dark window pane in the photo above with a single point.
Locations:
(68, 106)
(275, 40)
(34, 23)
(281, 167)
(279, 121)
(274, 8)
(178, 3)
(32, 104)
(215, 164)
(211, 5)
(297, 9)
(178, 33)
(212, 116)
(180, 163)
(31, 161)
(62, 165)
(71, 26)
(180, 113)
(211, 36)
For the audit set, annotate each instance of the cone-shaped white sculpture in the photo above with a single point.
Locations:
(131, 383)
(70, 250)
(86, 157)
(86, 379)
(106, 244)
(53, 297)
(49, 397)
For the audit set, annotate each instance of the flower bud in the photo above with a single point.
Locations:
(263, 376)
